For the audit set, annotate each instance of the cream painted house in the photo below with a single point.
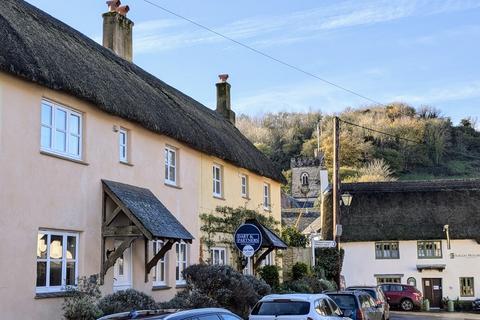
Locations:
(423, 233)
(104, 169)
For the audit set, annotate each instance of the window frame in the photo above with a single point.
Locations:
(388, 280)
(217, 179)
(180, 265)
(304, 176)
(220, 250)
(124, 158)
(69, 112)
(267, 198)
(421, 245)
(168, 164)
(380, 253)
(156, 246)
(463, 287)
(244, 185)
(64, 260)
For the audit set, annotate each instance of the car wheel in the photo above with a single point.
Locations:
(406, 305)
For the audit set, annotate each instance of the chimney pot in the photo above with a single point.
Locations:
(223, 77)
(123, 10)
(223, 99)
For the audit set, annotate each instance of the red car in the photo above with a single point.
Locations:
(405, 296)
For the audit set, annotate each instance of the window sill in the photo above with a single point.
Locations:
(180, 286)
(219, 197)
(126, 163)
(54, 155)
(246, 197)
(160, 287)
(267, 209)
(49, 295)
(171, 185)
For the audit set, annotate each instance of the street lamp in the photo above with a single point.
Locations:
(347, 199)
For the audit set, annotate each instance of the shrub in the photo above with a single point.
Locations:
(270, 275)
(299, 270)
(294, 238)
(328, 262)
(126, 300)
(308, 284)
(219, 286)
(81, 302)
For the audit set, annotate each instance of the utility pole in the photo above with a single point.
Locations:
(336, 187)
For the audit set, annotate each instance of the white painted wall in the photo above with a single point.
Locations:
(360, 265)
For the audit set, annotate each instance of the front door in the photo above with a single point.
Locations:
(432, 290)
(122, 270)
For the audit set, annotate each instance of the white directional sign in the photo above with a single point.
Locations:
(248, 251)
(324, 244)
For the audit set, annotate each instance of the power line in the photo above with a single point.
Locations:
(266, 55)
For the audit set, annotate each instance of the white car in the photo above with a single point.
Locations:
(296, 307)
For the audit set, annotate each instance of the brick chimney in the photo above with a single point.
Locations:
(117, 30)
(223, 99)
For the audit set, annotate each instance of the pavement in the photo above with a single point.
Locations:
(396, 315)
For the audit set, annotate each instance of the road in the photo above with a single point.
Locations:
(433, 316)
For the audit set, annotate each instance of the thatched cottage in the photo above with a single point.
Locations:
(104, 169)
(425, 233)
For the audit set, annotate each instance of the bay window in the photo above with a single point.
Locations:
(181, 251)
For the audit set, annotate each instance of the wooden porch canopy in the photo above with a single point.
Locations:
(270, 242)
(130, 213)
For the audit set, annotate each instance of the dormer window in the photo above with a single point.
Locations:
(304, 179)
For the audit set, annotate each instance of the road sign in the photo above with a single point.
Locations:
(324, 244)
(248, 235)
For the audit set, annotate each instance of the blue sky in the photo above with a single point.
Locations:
(419, 52)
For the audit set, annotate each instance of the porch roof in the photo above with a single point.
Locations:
(149, 211)
(270, 239)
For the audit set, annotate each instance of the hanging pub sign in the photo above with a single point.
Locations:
(248, 239)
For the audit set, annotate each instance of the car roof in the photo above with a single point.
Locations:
(348, 292)
(196, 312)
(294, 296)
(362, 287)
(167, 314)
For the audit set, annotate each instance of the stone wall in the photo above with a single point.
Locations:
(294, 255)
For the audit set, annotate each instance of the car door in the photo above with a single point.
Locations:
(376, 309)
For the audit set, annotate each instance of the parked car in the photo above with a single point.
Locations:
(296, 307)
(197, 314)
(378, 295)
(358, 305)
(476, 305)
(404, 296)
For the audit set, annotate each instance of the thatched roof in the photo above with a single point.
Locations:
(413, 210)
(39, 48)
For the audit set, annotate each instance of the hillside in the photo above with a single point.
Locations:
(443, 149)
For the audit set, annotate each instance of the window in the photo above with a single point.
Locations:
(170, 166)
(429, 249)
(304, 179)
(159, 272)
(123, 145)
(61, 130)
(412, 281)
(181, 250)
(217, 180)
(268, 261)
(466, 287)
(57, 254)
(244, 185)
(389, 279)
(218, 256)
(387, 250)
(266, 196)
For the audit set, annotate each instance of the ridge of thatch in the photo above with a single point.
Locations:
(413, 210)
(39, 48)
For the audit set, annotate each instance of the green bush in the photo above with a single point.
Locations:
(81, 302)
(271, 276)
(126, 300)
(294, 238)
(299, 270)
(219, 286)
(307, 284)
(328, 263)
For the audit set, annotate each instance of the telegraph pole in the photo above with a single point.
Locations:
(336, 187)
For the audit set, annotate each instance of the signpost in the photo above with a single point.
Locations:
(248, 239)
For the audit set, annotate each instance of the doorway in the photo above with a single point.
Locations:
(432, 290)
(122, 270)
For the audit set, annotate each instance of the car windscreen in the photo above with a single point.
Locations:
(371, 292)
(344, 301)
(281, 308)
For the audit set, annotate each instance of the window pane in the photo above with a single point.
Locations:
(71, 247)
(74, 145)
(56, 247)
(41, 274)
(74, 124)
(172, 158)
(46, 139)
(55, 273)
(60, 141)
(60, 120)
(172, 174)
(166, 171)
(70, 274)
(42, 246)
(46, 114)
(120, 265)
